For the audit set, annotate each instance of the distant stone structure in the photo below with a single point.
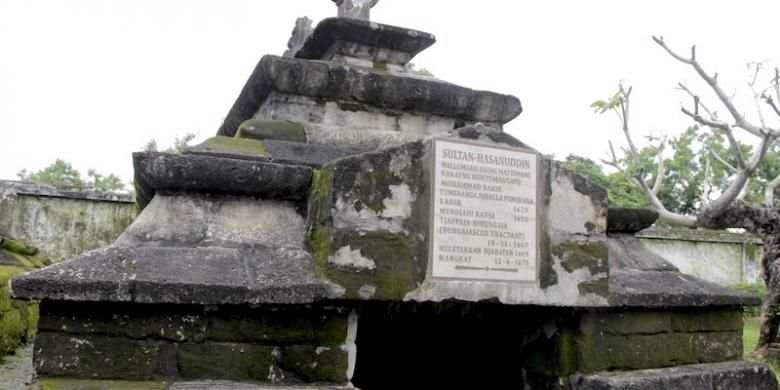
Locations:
(717, 256)
(355, 224)
(63, 223)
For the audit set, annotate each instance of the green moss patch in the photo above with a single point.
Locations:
(238, 145)
(396, 274)
(94, 384)
(17, 247)
(260, 129)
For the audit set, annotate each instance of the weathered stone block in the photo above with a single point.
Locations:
(717, 346)
(280, 326)
(236, 361)
(716, 376)
(95, 384)
(316, 364)
(625, 323)
(707, 321)
(100, 357)
(631, 352)
(230, 147)
(164, 322)
(261, 129)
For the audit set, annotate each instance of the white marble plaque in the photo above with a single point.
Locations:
(484, 212)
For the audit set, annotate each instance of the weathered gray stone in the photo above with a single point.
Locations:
(369, 217)
(639, 278)
(349, 124)
(263, 129)
(231, 385)
(222, 153)
(237, 361)
(365, 86)
(60, 354)
(192, 173)
(196, 220)
(315, 156)
(334, 37)
(206, 275)
(629, 220)
(63, 223)
(303, 28)
(715, 376)
(357, 9)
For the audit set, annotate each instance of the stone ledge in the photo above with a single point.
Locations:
(372, 87)
(640, 278)
(207, 174)
(715, 376)
(329, 32)
(45, 190)
(203, 275)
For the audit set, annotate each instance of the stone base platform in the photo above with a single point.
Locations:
(95, 384)
(714, 376)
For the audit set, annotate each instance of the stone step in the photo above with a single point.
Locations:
(725, 375)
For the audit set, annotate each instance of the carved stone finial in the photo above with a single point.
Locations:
(355, 9)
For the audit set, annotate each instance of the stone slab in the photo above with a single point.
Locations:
(285, 152)
(715, 376)
(392, 44)
(640, 278)
(332, 81)
(230, 385)
(22, 188)
(193, 173)
(208, 275)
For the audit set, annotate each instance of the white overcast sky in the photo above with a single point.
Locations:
(91, 81)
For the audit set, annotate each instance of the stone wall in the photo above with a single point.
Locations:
(63, 223)
(717, 256)
(18, 319)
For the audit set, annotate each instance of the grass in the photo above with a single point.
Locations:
(750, 334)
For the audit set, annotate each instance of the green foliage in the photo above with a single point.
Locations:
(61, 174)
(753, 288)
(619, 188)
(419, 71)
(179, 144)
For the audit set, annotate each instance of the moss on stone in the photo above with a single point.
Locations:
(577, 255)
(9, 271)
(396, 272)
(44, 383)
(19, 247)
(635, 352)
(708, 321)
(319, 197)
(262, 129)
(239, 145)
(224, 361)
(321, 244)
(316, 364)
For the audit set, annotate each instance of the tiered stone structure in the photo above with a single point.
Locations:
(356, 224)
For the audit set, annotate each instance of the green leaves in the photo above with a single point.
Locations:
(61, 174)
(614, 102)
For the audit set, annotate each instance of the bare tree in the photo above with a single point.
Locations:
(729, 208)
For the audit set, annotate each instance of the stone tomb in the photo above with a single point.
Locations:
(356, 224)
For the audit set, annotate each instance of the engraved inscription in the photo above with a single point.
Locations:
(484, 212)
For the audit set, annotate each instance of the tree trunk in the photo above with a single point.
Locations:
(764, 222)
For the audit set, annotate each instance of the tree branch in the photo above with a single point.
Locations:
(661, 170)
(769, 192)
(721, 160)
(712, 81)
